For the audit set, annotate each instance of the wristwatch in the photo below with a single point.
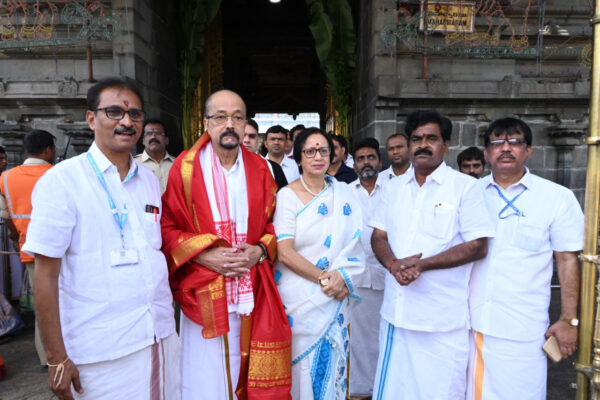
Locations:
(571, 321)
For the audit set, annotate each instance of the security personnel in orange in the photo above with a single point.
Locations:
(16, 186)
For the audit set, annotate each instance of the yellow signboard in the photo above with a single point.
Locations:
(447, 16)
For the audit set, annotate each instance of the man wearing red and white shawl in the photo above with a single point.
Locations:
(219, 242)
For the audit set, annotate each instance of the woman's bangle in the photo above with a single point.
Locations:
(389, 266)
(322, 282)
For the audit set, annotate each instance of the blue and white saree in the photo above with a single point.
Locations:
(326, 231)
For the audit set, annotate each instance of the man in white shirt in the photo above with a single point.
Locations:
(364, 325)
(251, 143)
(102, 295)
(275, 140)
(155, 154)
(510, 289)
(398, 155)
(430, 227)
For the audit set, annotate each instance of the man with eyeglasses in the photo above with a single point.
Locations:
(220, 245)
(536, 220)
(429, 228)
(101, 288)
(364, 323)
(275, 140)
(155, 156)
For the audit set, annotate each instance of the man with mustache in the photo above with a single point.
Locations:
(275, 139)
(101, 287)
(397, 152)
(251, 143)
(471, 162)
(536, 220)
(364, 324)
(429, 228)
(155, 154)
(220, 245)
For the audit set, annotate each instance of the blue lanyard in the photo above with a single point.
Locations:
(120, 219)
(510, 204)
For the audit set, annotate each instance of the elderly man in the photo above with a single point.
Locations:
(155, 154)
(251, 143)
(220, 245)
(536, 220)
(396, 147)
(364, 346)
(102, 297)
(430, 227)
(471, 162)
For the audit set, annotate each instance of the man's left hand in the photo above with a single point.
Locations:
(252, 252)
(566, 336)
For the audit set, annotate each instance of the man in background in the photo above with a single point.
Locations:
(471, 162)
(155, 154)
(338, 168)
(16, 187)
(275, 141)
(396, 147)
(251, 143)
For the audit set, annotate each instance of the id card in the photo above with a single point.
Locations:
(119, 258)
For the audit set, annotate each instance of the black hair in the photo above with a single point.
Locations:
(2, 150)
(155, 121)
(296, 128)
(301, 140)
(276, 129)
(422, 117)
(341, 141)
(253, 124)
(508, 126)
(469, 154)
(93, 94)
(369, 142)
(37, 140)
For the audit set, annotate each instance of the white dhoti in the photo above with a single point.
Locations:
(506, 369)
(150, 373)
(210, 368)
(421, 365)
(364, 342)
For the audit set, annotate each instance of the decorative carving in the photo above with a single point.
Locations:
(565, 138)
(68, 87)
(80, 136)
(12, 141)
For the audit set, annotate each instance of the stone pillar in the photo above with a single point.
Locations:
(564, 138)
(80, 137)
(12, 141)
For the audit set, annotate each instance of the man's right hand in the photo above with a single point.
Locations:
(406, 270)
(70, 375)
(227, 261)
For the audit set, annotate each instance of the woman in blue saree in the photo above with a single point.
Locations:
(318, 226)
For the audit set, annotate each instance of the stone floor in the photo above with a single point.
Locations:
(26, 379)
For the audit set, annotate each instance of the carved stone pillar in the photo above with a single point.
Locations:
(80, 136)
(565, 138)
(12, 141)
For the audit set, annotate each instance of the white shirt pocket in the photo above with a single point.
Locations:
(151, 225)
(441, 222)
(528, 236)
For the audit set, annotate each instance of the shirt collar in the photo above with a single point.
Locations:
(525, 181)
(103, 162)
(146, 157)
(437, 175)
(34, 161)
(378, 183)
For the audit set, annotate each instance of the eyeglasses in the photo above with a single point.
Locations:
(220, 119)
(117, 113)
(148, 134)
(312, 152)
(513, 142)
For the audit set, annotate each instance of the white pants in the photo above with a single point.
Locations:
(210, 368)
(364, 342)
(149, 373)
(506, 369)
(416, 365)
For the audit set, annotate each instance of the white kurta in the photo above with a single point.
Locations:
(326, 231)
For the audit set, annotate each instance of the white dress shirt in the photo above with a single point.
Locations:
(389, 173)
(106, 312)
(374, 275)
(510, 288)
(161, 169)
(446, 211)
(290, 168)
